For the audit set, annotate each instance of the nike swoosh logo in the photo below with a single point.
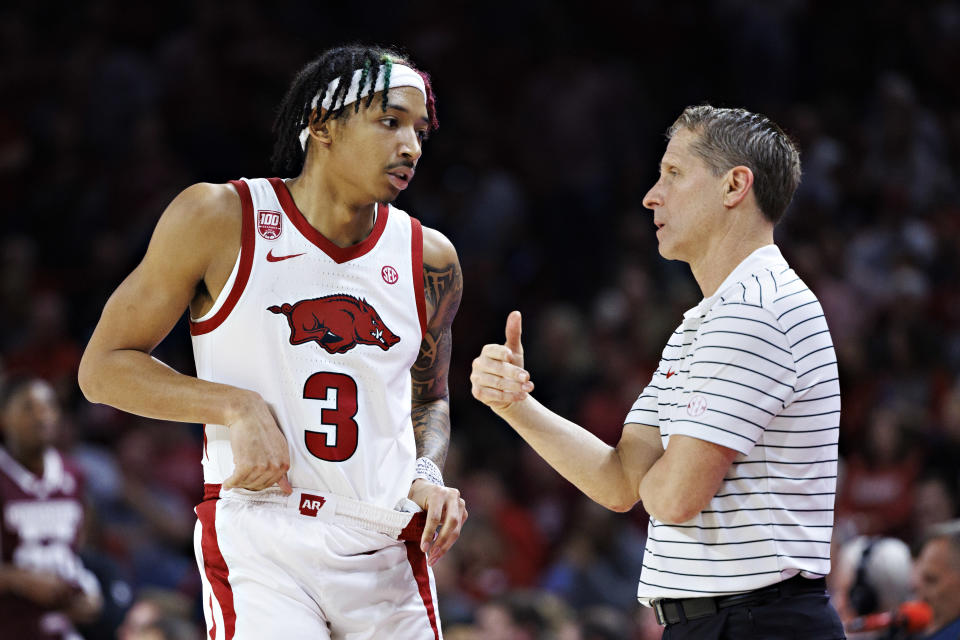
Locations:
(670, 373)
(273, 258)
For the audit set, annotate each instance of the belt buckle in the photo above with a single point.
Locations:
(658, 611)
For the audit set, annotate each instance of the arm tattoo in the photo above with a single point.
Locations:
(431, 408)
(431, 430)
(429, 372)
(440, 283)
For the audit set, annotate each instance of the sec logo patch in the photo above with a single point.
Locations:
(697, 406)
(390, 275)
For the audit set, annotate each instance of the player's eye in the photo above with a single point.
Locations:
(423, 135)
(391, 122)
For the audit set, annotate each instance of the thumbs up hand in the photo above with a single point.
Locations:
(498, 379)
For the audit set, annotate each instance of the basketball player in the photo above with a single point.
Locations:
(320, 319)
(44, 587)
(732, 447)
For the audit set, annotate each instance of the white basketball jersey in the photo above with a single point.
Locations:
(327, 336)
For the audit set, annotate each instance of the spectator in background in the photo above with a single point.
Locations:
(524, 615)
(606, 623)
(876, 492)
(44, 586)
(935, 501)
(871, 575)
(159, 614)
(938, 580)
(599, 561)
(167, 629)
(44, 348)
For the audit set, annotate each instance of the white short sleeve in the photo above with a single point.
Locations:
(740, 374)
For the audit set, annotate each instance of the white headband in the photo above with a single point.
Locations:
(400, 76)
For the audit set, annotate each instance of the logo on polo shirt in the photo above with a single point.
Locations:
(309, 504)
(697, 405)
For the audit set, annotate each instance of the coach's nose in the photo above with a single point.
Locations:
(654, 197)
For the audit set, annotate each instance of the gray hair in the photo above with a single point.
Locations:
(949, 531)
(727, 138)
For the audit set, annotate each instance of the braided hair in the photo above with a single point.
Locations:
(340, 62)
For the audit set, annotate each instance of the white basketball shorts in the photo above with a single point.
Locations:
(312, 566)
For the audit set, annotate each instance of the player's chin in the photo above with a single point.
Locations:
(388, 195)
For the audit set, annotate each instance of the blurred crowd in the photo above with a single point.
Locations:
(551, 127)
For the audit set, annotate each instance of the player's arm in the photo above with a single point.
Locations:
(611, 476)
(44, 588)
(86, 606)
(51, 591)
(430, 410)
(117, 368)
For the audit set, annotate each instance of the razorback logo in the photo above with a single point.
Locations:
(309, 504)
(337, 323)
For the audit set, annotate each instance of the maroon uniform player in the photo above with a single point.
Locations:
(44, 587)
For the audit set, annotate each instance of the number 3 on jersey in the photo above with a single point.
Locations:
(339, 441)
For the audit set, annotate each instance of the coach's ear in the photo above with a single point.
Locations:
(736, 185)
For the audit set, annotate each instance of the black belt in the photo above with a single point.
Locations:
(671, 611)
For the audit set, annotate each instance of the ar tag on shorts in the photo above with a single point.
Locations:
(310, 504)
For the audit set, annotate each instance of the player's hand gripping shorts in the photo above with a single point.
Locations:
(312, 565)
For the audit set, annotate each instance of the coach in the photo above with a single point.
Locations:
(732, 447)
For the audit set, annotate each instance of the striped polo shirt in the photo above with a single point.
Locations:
(751, 368)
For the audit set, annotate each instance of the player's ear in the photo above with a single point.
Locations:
(320, 132)
(736, 185)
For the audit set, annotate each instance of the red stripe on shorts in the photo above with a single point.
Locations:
(413, 532)
(418, 562)
(213, 621)
(215, 566)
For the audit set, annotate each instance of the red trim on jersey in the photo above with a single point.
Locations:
(337, 254)
(418, 562)
(206, 454)
(215, 566)
(416, 245)
(247, 241)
